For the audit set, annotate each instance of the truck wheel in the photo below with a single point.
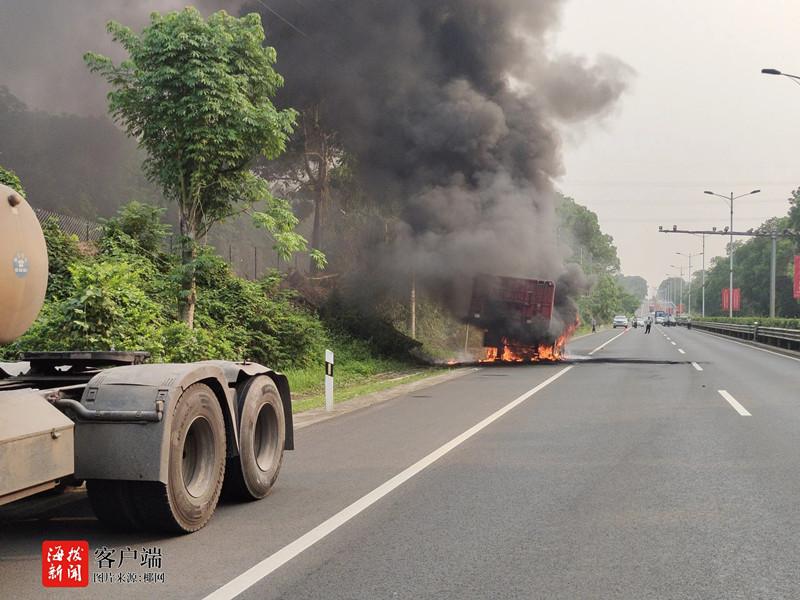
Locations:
(262, 434)
(112, 503)
(196, 466)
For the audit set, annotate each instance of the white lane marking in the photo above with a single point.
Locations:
(603, 345)
(727, 339)
(673, 343)
(261, 570)
(697, 367)
(681, 351)
(733, 402)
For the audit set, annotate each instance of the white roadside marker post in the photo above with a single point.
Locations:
(328, 380)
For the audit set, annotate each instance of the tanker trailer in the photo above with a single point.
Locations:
(155, 443)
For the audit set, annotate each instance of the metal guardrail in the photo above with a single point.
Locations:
(773, 336)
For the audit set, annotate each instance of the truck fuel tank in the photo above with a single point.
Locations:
(23, 265)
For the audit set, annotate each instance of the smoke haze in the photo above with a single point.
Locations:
(452, 110)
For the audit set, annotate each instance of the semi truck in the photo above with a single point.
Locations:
(155, 444)
(514, 313)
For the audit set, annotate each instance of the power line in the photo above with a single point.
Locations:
(289, 23)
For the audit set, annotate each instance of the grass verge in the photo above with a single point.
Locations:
(357, 370)
(343, 392)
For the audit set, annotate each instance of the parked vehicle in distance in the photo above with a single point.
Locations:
(671, 321)
(620, 321)
(660, 317)
(639, 322)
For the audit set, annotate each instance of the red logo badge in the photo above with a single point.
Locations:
(65, 563)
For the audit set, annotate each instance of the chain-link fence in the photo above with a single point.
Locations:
(247, 258)
(87, 231)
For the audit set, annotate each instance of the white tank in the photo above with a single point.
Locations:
(23, 265)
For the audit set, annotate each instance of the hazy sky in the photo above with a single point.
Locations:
(699, 115)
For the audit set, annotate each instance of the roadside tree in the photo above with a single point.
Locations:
(197, 95)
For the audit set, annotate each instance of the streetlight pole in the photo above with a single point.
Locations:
(772, 275)
(689, 255)
(704, 275)
(794, 79)
(680, 293)
(730, 200)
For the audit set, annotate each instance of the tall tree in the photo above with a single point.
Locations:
(580, 228)
(634, 285)
(197, 95)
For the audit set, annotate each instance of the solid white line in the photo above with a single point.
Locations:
(736, 406)
(727, 339)
(681, 351)
(696, 366)
(261, 570)
(603, 345)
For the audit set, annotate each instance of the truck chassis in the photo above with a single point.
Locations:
(156, 444)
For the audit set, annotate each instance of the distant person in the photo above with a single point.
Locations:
(648, 324)
(594, 325)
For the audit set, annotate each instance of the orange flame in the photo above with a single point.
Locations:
(512, 352)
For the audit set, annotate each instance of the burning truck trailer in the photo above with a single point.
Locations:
(516, 315)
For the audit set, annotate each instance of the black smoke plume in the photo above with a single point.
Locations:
(452, 109)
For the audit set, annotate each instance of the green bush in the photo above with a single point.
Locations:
(106, 306)
(383, 338)
(62, 252)
(187, 345)
(122, 295)
(10, 179)
(140, 223)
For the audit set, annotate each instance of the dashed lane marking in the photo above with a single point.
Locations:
(734, 403)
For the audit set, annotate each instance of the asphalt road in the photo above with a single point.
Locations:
(621, 473)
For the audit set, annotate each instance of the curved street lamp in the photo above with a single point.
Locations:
(794, 78)
(729, 200)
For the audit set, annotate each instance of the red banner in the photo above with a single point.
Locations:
(796, 287)
(737, 299)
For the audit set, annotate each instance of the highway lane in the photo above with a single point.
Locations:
(336, 462)
(628, 476)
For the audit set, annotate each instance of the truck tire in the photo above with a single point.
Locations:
(262, 435)
(196, 466)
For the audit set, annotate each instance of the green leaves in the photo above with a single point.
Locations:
(197, 95)
(10, 179)
(122, 295)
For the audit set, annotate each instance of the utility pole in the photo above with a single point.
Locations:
(730, 273)
(730, 200)
(703, 235)
(772, 275)
(413, 302)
